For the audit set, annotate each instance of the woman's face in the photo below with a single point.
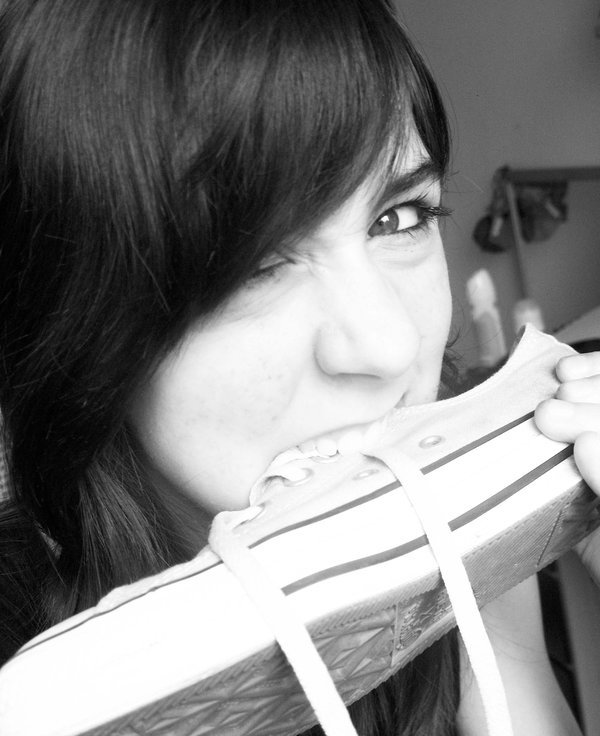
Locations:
(311, 350)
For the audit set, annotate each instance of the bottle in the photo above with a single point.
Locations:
(527, 311)
(481, 295)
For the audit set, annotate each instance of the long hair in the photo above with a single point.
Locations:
(152, 152)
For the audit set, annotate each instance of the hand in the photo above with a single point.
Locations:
(574, 416)
(537, 706)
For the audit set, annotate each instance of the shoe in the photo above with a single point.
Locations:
(186, 651)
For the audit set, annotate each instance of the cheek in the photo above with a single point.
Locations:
(249, 377)
(431, 309)
(431, 304)
(202, 436)
(219, 389)
(224, 396)
(249, 401)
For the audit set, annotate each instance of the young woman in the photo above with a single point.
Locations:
(220, 240)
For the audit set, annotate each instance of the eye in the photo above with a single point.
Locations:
(268, 271)
(394, 220)
(405, 218)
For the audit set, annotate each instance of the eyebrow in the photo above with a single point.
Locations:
(399, 184)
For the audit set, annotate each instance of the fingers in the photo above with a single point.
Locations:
(565, 421)
(574, 416)
(575, 367)
(580, 390)
(576, 406)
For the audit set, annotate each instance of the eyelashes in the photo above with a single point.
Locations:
(435, 213)
(268, 271)
(407, 218)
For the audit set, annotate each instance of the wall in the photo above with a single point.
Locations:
(522, 82)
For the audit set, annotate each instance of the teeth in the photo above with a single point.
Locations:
(351, 442)
(286, 457)
(327, 446)
(293, 473)
(308, 448)
(355, 440)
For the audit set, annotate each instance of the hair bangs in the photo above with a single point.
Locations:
(155, 153)
(299, 118)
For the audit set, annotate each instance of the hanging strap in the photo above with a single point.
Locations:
(458, 587)
(282, 619)
(293, 638)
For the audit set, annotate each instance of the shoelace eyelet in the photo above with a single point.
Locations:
(366, 473)
(431, 441)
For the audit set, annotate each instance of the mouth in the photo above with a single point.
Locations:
(346, 441)
(352, 439)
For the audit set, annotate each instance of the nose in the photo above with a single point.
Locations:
(366, 327)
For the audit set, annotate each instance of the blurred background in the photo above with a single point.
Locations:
(521, 80)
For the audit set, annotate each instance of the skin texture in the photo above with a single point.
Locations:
(513, 621)
(574, 416)
(354, 324)
(331, 337)
(537, 706)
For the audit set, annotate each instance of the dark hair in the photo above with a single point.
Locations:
(152, 152)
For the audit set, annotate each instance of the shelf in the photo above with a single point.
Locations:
(511, 179)
(550, 175)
